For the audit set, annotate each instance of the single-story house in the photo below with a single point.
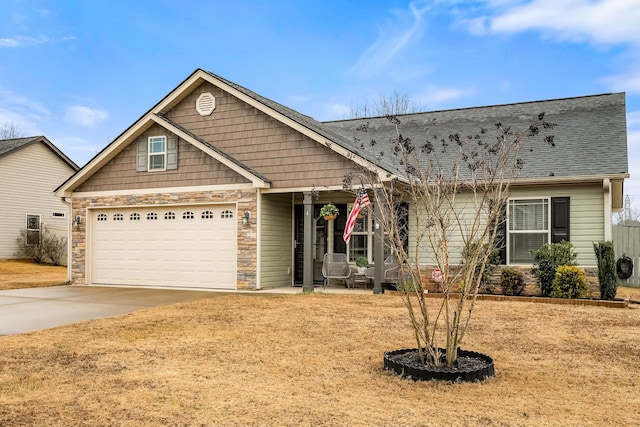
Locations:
(31, 168)
(217, 187)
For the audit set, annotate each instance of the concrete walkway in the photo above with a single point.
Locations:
(33, 309)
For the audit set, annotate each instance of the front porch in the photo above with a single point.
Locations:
(295, 218)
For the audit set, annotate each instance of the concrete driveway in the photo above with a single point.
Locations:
(27, 310)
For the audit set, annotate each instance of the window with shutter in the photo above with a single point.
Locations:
(157, 153)
(533, 223)
(528, 228)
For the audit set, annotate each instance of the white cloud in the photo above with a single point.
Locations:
(433, 96)
(632, 186)
(84, 116)
(24, 113)
(20, 41)
(599, 22)
(393, 38)
(628, 81)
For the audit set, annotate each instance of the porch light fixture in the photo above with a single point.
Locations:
(76, 222)
(245, 217)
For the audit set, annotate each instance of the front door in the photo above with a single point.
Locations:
(321, 240)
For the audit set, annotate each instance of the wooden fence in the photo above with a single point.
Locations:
(626, 241)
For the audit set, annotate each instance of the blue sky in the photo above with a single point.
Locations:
(80, 72)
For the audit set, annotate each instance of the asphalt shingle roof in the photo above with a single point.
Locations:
(590, 136)
(8, 145)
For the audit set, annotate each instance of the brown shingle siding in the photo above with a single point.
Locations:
(194, 168)
(282, 154)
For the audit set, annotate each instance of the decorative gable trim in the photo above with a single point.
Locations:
(205, 104)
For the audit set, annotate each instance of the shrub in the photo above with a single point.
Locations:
(606, 269)
(570, 282)
(49, 247)
(512, 281)
(547, 259)
(408, 285)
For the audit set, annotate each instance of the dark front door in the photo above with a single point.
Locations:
(320, 240)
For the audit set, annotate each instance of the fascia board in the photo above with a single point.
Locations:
(104, 156)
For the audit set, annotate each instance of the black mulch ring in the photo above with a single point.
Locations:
(470, 366)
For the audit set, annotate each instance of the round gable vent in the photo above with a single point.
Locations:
(205, 104)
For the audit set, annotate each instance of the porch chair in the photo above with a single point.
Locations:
(335, 266)
(390, 271)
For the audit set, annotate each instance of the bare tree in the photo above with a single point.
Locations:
(386, 105)
(457, 188)
(10, 131)
(629, 215)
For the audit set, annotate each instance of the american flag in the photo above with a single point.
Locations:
(362, 202)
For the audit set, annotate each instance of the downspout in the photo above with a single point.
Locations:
(69, 237)
(606, 186)
(258, 239)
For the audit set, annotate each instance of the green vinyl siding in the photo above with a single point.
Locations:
(276, 260)
(586, 220)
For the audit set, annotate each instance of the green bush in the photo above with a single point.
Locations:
(606, 269)
(570, 282)
(547, 259)
(512, 281)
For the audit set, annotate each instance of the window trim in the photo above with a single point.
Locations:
(33, 231)
(369, 232)
(150, 154)
(509, 232)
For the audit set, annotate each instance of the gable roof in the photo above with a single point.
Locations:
(590, 136)
(304, 124)
(8, 146)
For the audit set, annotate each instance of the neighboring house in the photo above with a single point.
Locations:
(215, 187)
(31, 169)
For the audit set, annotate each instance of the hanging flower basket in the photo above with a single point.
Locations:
(329, 212)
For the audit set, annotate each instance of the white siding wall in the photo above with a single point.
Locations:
(586, 220)
(29, 177)
(276, 240)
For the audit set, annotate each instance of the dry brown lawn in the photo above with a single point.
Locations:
(315, 360)
(16, 274)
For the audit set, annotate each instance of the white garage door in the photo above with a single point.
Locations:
(180, 246)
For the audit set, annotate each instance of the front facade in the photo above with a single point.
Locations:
(217, 187)
(31, 169)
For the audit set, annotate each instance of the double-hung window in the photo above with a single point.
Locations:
(361, 240)
(528, 228)
(33, 229)
(157, 153)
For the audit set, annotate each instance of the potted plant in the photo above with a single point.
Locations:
(329, 212)
(362, 263)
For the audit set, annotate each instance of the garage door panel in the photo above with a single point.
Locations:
(190, 246)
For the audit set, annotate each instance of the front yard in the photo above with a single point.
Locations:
(17, 274)
(316, 360)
